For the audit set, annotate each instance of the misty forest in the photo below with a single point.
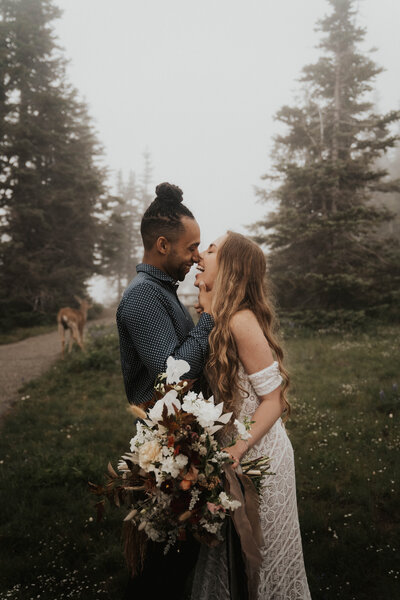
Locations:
(331, 234)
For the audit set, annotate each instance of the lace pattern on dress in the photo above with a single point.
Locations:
(282, 574)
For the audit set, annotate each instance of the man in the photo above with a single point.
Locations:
(153, 325)
(152, 322)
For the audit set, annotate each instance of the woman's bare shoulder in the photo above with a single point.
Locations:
(244, 321)
(252, 345)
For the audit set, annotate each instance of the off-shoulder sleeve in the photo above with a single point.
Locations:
(267, 380)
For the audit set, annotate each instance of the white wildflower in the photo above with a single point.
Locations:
(242, 431)
(173, 465)
(153, 534)
(213, 527)
(175, 369)
(194, 496)
(227, 502)
(169, 400)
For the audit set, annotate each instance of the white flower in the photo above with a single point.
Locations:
(142, 435)
(173, 464)
(214, 527)
(169, 400)
(227, 502)
(149, 453)
(242, 431)
(175, 369)
(153, 534)
(206, 412)
(194, 496)
(181, 460)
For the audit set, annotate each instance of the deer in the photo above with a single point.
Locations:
(74, 320)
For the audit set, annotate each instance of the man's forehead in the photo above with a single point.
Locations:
(191, 233)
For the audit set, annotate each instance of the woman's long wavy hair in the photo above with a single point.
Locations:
(240, 284)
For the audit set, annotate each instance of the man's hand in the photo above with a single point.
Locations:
(205, 299)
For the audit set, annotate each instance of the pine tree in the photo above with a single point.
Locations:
(144, 194)
(120, 245)
(50, 181)
(324, 253)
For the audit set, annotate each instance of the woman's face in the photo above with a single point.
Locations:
(207, 265)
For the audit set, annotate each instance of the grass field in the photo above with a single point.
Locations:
(345, 434)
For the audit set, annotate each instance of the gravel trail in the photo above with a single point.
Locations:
(23, 361)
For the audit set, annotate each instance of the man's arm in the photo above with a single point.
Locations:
(154, 337)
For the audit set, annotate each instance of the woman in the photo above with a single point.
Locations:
(242, 371)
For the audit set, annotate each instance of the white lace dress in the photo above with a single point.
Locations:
(282, 575)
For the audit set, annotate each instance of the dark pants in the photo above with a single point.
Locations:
(165, 575)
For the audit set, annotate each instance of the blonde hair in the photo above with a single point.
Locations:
(240, 284)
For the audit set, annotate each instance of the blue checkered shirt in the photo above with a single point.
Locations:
(152, 325)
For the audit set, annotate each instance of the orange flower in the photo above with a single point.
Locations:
(190, 477)
(171, 440)
(185, 484)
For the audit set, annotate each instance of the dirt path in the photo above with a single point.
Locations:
(23, 361)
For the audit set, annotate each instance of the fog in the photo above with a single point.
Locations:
(198, 85)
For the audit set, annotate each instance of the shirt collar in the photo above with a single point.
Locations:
(156, 274)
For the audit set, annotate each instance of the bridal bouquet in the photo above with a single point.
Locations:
(172, 480)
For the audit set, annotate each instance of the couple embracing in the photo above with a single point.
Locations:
(233, 350)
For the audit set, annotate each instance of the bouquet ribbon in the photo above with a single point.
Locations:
(246, 520)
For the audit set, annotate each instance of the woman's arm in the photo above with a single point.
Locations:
(255, 355)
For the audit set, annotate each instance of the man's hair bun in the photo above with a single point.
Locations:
(163, 217)
(169, 192)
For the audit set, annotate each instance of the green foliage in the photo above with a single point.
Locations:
(325, 251)
(345, 432)
(95, 311)
(339, 320)
(70, 424)
(51, 183)
(344, 429)
(102, 352)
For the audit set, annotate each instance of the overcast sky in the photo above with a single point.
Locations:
(198, 84)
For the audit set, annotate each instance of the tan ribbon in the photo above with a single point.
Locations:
(246, 520)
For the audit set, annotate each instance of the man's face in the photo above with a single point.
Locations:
(184, 251)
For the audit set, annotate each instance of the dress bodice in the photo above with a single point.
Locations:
(251, 388)
(256, 385)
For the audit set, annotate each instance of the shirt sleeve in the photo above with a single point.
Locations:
(153, 335)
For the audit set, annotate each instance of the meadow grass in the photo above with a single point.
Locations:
(73, 420)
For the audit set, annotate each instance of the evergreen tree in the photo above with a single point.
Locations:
(50, 182)
(324, 251)
(391, 229)
(120, 238)
(144, 194)
(114, 242)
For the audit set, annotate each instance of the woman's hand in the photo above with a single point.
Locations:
(198, 308)
(236, 451)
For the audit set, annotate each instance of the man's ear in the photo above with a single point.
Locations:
(162, 245)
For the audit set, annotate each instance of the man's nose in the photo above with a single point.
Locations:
(196, 256)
